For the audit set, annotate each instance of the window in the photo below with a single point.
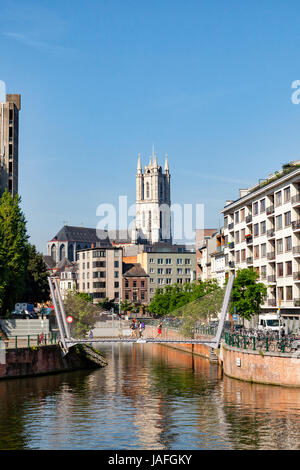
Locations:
(151, 270)
(279, 269)
(168, 261)
(287, 194)
(116, 274)
(243, 235)
(263, 272)
(236, 217)
(243, 255)
(179, 270)
(289, 293)
(116, 284)
(280, 293)
(168, 271)
(142, 295)
(142, 283)
(98, 254)
(237, 237)
(147, 190)
(187, 271)
(237, 256)
(256, 251)
(242, 215)
(134, 283)
(116, 264)
(126, 283)
(168, 281)
(279, 222)
(288, 243)
(160, 280)
(278, 199)
(279, 246)
(116, 253)
(160, 271)
(151, 260)
(263, 250)
(262, 205)
(160, 261)
(263, 227)
(287, 219)
(179, 280)
(179, 260)
(288, 268)
(255, 208)
(151, 280)
(99, 264)
(256, 230)
(187, 261)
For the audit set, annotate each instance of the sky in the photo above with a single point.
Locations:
(207, 82)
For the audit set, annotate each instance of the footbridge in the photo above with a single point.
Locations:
(67, 341)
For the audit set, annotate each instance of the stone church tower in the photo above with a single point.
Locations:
(153, 215)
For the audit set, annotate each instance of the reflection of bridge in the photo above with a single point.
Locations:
(67, 341)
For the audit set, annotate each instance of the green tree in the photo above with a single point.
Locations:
(83, 312)
(247, 294)
(36, 283)
(13, 252)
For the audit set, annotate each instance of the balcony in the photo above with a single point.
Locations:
(249, 219)
(272, 302)
(231, 245)
(272, 279)
(296, 276)
(296, 200)
(249, 239)
(271, 233)
(296, 225)
(297, 302)
(230, 226)
(231, 264)
(271, 256)
(249, 260)
(270, 210)
(296, 250)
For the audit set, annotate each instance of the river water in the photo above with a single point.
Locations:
(148, 397)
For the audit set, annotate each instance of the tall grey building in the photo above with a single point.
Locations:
(9, 143)
(153, 201)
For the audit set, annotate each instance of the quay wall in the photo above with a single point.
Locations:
(261, 367)
(26, 362)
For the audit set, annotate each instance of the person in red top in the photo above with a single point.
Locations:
(159, 329)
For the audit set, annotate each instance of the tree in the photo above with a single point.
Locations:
(247, 294)
(13, 252)
(36, 283)
(83, 312)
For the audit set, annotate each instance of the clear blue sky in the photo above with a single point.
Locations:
(207, 82)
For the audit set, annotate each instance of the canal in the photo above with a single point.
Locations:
(148, 397)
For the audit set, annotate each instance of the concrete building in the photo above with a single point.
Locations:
(135, 283)
(203, 251)
(218, 265)
(153, 201)
(262, 232)
(100, 272)
(167, 265)
(9, 144)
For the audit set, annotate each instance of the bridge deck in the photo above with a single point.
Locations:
(208, 342)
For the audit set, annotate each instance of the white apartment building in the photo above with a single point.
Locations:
(262, 231)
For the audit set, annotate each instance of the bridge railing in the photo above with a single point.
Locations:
(262, 343)
(27, 341)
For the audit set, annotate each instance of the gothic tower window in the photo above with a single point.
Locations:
(62, 252)
(147, 190)
(53, 252)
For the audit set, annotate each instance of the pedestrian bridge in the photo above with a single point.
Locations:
(67, 341)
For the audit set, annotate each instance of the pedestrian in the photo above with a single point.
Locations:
(132, 327)
(91, 335)
(159, 329)
(142, 328)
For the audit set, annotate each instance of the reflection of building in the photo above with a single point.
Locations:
(9, 143)
(135, 283)
(262, 232)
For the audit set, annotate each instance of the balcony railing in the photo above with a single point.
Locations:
(249, 240)
(270, 209)
(231, 246)
(296, 198)
(272, 278)
(296, 224)
(230, 226)
(272, 302)
(271, 233)
(271, 255)
(249, 219)
(296, 250)
(231, 264)
(296, 276)
(249, 260)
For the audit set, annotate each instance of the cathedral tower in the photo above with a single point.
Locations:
(153, 216)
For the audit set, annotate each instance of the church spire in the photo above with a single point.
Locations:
(155, 159)
(139, 165)
(166, 164)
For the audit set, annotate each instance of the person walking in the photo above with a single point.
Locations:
(159, 330)
(142, 328)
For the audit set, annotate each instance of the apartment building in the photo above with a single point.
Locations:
(135, 283)
(262, 231)
(100, 272)
(167, 266)
(9, 144)
(218, 265)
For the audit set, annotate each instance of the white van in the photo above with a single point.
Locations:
(268, 321)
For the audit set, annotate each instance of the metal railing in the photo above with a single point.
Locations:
(27, 341)
(262, 343)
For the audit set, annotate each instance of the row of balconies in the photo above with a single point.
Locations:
(284, 303)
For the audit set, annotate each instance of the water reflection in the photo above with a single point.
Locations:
(148, 397)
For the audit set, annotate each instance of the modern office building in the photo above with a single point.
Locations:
(262, 231)
(9, 144)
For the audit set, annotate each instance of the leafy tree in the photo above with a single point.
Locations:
(247, 294)
(13, 252)
(83, 312)
(85, 296)
(36, 283)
